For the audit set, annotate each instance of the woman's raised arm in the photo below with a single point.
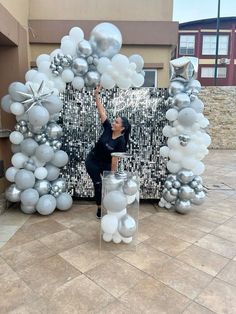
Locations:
(101, 109)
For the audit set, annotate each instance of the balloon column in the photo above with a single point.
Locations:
(187, 138)
(120, 201)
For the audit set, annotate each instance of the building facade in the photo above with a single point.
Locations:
(198, 39)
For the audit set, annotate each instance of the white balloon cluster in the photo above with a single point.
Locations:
(117, 225)
(36, 146)
(89, 62)
(187, 138)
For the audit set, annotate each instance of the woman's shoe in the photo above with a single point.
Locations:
(99, 213)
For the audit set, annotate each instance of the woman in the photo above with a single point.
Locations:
(114, 138)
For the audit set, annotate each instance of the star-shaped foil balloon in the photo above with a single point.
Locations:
(182, 69)
(36, 96)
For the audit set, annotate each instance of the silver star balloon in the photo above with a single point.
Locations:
(182, 69)
(36, 96)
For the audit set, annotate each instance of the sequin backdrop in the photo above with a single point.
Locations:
(145, 108)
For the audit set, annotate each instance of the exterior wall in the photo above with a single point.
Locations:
(208, 27)
(19, 9)
(106, 10)
(220, 109)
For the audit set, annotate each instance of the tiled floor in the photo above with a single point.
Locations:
(182, 264)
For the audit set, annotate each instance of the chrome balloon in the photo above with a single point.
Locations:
(92, 78)
(186, 192)
(53, 130)
(185, 176)
(127, 226)
(80, 66)
(61, 183)
(198, 198)
(13, 193)
(130, 187)
(42, 186)
(182, 206)
(84, 48)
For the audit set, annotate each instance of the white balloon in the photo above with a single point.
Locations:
(40, 173)
(60, 159)
(67, 75)
(16, 87)
(64, 38)
(68, 47)
(6, 102)
(10, 174)
(107, 237)
(173, 167)
(78, 82)
(53, 172)
(138, 60)
(116, 238)
(60, 85)
(172, 114)
(175, 155)
(167, 131)
(17, 108)
(107, 81)
(64, 201)
(204, 122)
(16, 137)
(164, 151)
(120, 62)
(44, 153)
(76, 34)
(28, 146)
(199, 168)
(189, 163)
(37, 162)
(137, 80)
(173, 142)
(39, 77)
(24, 179)
(127, 240)
(123, 82)
(103, 63)
(53, 104)
(44, 67)
(109, 223)
(38, 116)
(29, 197)
(41, 58)
(115, 201)
(46, 204)
(29, 75)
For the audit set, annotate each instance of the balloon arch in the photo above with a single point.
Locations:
(36, 143)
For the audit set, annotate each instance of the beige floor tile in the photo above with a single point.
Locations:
(19, 238)
(7, 272)
(7, 231)
(151, 296)
(115, 308)
(203, 259)
(219, 297)
(14, 293)
(145, 258)
(218, 245)
(195, 308)
(26, 255)
(47, 275)
(42, 228)
(213, 216)
(2, 243)
(88, 230)
(183, 278)
(228, 274)
(115, 276)
(86, 256)
(36, 307)
(225, 232)
(231, 223)
(167, 243)
(80, 295)
(199, 224)
(13, 217)
(62, 240)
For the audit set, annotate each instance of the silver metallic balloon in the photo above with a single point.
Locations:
(175, 88)
(173, 191)
(84, 48)
(168, 196)
(54, 130)
(186, 192)
(61, 183)
(182, 69)
(185, 176)
(198, 188)
(193, 184)
(130, 187)
(13, 193)
(198, 198)
(181, 100)
(171, 177)
(80, 66)
(184, 139)
(182, 206)
(92, 78)
(168, 184)
(90, 60)
(127, 226)
(198, 179)
(42, 186)
(176, 184)
(106, 40)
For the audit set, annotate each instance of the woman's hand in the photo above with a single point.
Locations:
(98, 89)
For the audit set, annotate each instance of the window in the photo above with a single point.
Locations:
(186, 45)
(150, 79)
(209, 45)
(210, 72)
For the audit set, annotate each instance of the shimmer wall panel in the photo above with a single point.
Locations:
(145, 108)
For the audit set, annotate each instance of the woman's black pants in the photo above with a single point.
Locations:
(95, 168)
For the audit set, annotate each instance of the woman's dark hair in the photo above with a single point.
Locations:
(127, 129)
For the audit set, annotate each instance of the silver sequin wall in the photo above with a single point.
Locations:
(145, 108)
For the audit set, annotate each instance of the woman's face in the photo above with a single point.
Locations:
(117, 125)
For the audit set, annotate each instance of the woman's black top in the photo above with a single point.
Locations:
(107, 145)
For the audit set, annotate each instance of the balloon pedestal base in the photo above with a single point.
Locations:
(120, 211)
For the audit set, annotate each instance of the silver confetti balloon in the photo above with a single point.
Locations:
(80, 66)
(198, 198)
(13, 193)
(106, 40)
(130, 187)
(84, 48)
(127, 226)
(92, 78)
(185, 176)
(42, 186)
(53, 130)
(186, 192)
(182, 206)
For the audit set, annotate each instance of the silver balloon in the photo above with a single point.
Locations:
(186, 192)
(61, 183)
(130, 187)
(193, 184)
(80, 66)
(185, 176)
(127, 226)
(90, 60)
(171, 177)
(84, 48)
(182, 206)
(181, 100)
(13, 193)
(184, 139)
(176, 184)
(198, 179)
(112, 183)
(42, 186)
(53, 130)
(92, 78)
(168, 184)
(175, 88)
(168, 196)
(182, 69)
(198, 188)
(27, 209)
(174, 192)
(106, 40)
(198, 198)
